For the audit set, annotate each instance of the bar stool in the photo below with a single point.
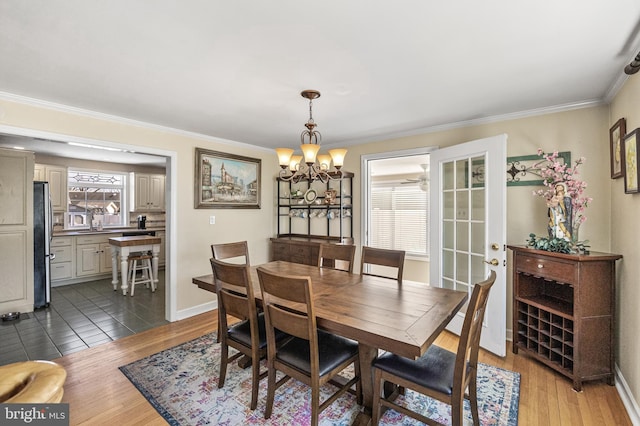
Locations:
(140, 262)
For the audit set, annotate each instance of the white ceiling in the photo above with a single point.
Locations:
(235, 69)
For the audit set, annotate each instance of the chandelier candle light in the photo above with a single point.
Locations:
(315, 167)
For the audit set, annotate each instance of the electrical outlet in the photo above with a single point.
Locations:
(212, 220)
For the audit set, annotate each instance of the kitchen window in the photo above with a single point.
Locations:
(96, 196)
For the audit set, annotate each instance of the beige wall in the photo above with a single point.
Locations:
(193, 234)
(584, 132)
(625, 232)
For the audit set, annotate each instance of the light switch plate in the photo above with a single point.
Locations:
(212, 220)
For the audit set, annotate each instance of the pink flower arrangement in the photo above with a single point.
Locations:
(553, 172)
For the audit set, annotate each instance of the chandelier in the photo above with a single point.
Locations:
(315, 167)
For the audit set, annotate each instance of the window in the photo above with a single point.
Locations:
(97, 196)
(399, 217)
(396, 201)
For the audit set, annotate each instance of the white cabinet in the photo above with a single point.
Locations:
(148, 192)
(16, 231)
(93, 255)
(62, 263)
(57, 178)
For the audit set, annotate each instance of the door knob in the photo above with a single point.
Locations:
(495, 246)
(494, 262)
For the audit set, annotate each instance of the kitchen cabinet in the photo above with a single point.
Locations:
(93, 255)
(16, 231)
(148, 192)
(57, 178)
(564, 311)
(62, 263)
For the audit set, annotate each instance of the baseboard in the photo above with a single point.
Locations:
(627, 398)
(196, 310)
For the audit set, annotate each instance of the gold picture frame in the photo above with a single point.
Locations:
(226, 181)
(616, 138)
(630, 160)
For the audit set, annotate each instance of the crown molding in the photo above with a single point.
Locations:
(10, 97)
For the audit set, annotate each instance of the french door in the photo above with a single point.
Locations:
(468, 228)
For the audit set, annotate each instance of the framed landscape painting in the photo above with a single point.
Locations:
(226, 181)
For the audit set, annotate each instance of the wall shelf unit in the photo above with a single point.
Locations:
(310, 213)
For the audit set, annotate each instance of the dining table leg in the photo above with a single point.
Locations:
(114, 267)
(124, 269)
(367, 355)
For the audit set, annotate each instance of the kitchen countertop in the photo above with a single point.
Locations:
(74, 232)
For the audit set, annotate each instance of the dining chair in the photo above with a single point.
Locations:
(231, 250)
(439, 374)
(382, 257)
(236, 299)
(312, 356)
(238, 252)
(335, 256)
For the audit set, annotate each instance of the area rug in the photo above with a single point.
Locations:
(181, 384)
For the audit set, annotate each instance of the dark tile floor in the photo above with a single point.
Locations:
(81, 316)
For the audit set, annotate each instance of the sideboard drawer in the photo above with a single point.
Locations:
(541, 266)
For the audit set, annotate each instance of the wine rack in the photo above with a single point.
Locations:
(563, 311)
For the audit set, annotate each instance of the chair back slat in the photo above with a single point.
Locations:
(336, 255)
(288, 303)
(230, 251)
(382, 257)
(235, 292)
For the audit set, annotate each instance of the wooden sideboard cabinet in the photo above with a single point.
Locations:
(564, 311)
(300, 249)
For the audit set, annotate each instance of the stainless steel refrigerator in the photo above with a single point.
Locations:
(42, 233)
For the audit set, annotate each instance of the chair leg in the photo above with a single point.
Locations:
(473, 400)
(271, 391)
(255, 380)
(224, 359)
(457, 410)
(315, 405)
(133, 277)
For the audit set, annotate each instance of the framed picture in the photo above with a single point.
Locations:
(630, 162)
(226, 181)
(616, 136)
(524, 170)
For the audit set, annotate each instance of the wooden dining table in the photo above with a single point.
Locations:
(378, 313)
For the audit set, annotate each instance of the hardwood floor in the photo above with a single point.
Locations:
(98, 393)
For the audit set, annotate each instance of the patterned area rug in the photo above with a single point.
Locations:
(181, 384)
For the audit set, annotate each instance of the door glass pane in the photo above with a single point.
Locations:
(462, 174)
(447, 176)
(462, 205)
(448, 207)
(447, 235)
(462, 267)
(462, 236)
(477, 238)
(477, 172)
(477, 201)
(477, 268)
(447, 264)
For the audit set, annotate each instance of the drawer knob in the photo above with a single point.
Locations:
(540, 266)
